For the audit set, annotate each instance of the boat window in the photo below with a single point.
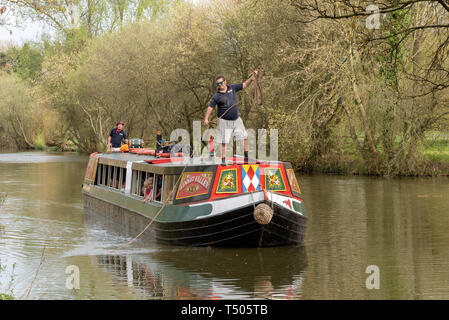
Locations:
(122, 179)
(135, 188)
(119, 176)
(149, 179)
(109, 175)
(138, 180)
(103, 175)
(158, 187)
(143, 178)
(114, 177)
(98, 178)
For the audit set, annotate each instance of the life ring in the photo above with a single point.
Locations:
(148, 152)
(169, 155)
(143, 151)
(163, 155)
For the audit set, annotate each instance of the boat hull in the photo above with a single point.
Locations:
(236, 228)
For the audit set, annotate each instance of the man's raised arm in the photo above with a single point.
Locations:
(250, 79)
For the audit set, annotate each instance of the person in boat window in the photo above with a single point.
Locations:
(148, 190)
(229, 123)
(117, 185)
(116, 136)
(158, 188)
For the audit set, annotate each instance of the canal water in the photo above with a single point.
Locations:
(367, 238)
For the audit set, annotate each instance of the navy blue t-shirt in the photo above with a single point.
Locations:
(226, 100)
(116, 138)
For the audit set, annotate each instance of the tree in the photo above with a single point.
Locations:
(18, 123)
(433, 19)
(411, 75)
(26, 61)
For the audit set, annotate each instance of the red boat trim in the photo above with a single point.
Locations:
(157, 161)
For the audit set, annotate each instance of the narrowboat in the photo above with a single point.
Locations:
(197, 201)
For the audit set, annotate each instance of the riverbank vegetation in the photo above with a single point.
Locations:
(9, 295)
(350, 91)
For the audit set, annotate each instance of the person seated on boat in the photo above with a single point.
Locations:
(159, 141)
(148, 190)
(166, 147)
(116, 136)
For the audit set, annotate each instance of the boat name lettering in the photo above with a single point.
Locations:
(202, 180)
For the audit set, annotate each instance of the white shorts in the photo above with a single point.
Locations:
(229, 128)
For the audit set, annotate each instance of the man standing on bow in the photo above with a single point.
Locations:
(229, 123)
(116, 136)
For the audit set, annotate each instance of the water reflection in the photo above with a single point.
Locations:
(202, 275)
(400, 225)
(173, 272)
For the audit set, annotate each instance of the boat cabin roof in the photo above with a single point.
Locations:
(174, 165)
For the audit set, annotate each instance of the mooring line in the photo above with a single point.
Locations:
(37, 272)
(156, 215)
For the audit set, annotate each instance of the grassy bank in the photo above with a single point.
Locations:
(436, 147)
(432, 160)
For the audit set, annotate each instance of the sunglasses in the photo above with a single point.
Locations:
(219, 83)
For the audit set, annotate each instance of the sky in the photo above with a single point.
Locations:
(29, 31)
(32, 31)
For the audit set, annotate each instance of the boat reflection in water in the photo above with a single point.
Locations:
(172, 272)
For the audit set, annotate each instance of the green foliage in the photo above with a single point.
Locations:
(26, 61)
(39, 142)
(75, 39)
(6, 297)
(340, 101)
(391, 58)
(10, 294)
(17, 112)
(4, 60)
